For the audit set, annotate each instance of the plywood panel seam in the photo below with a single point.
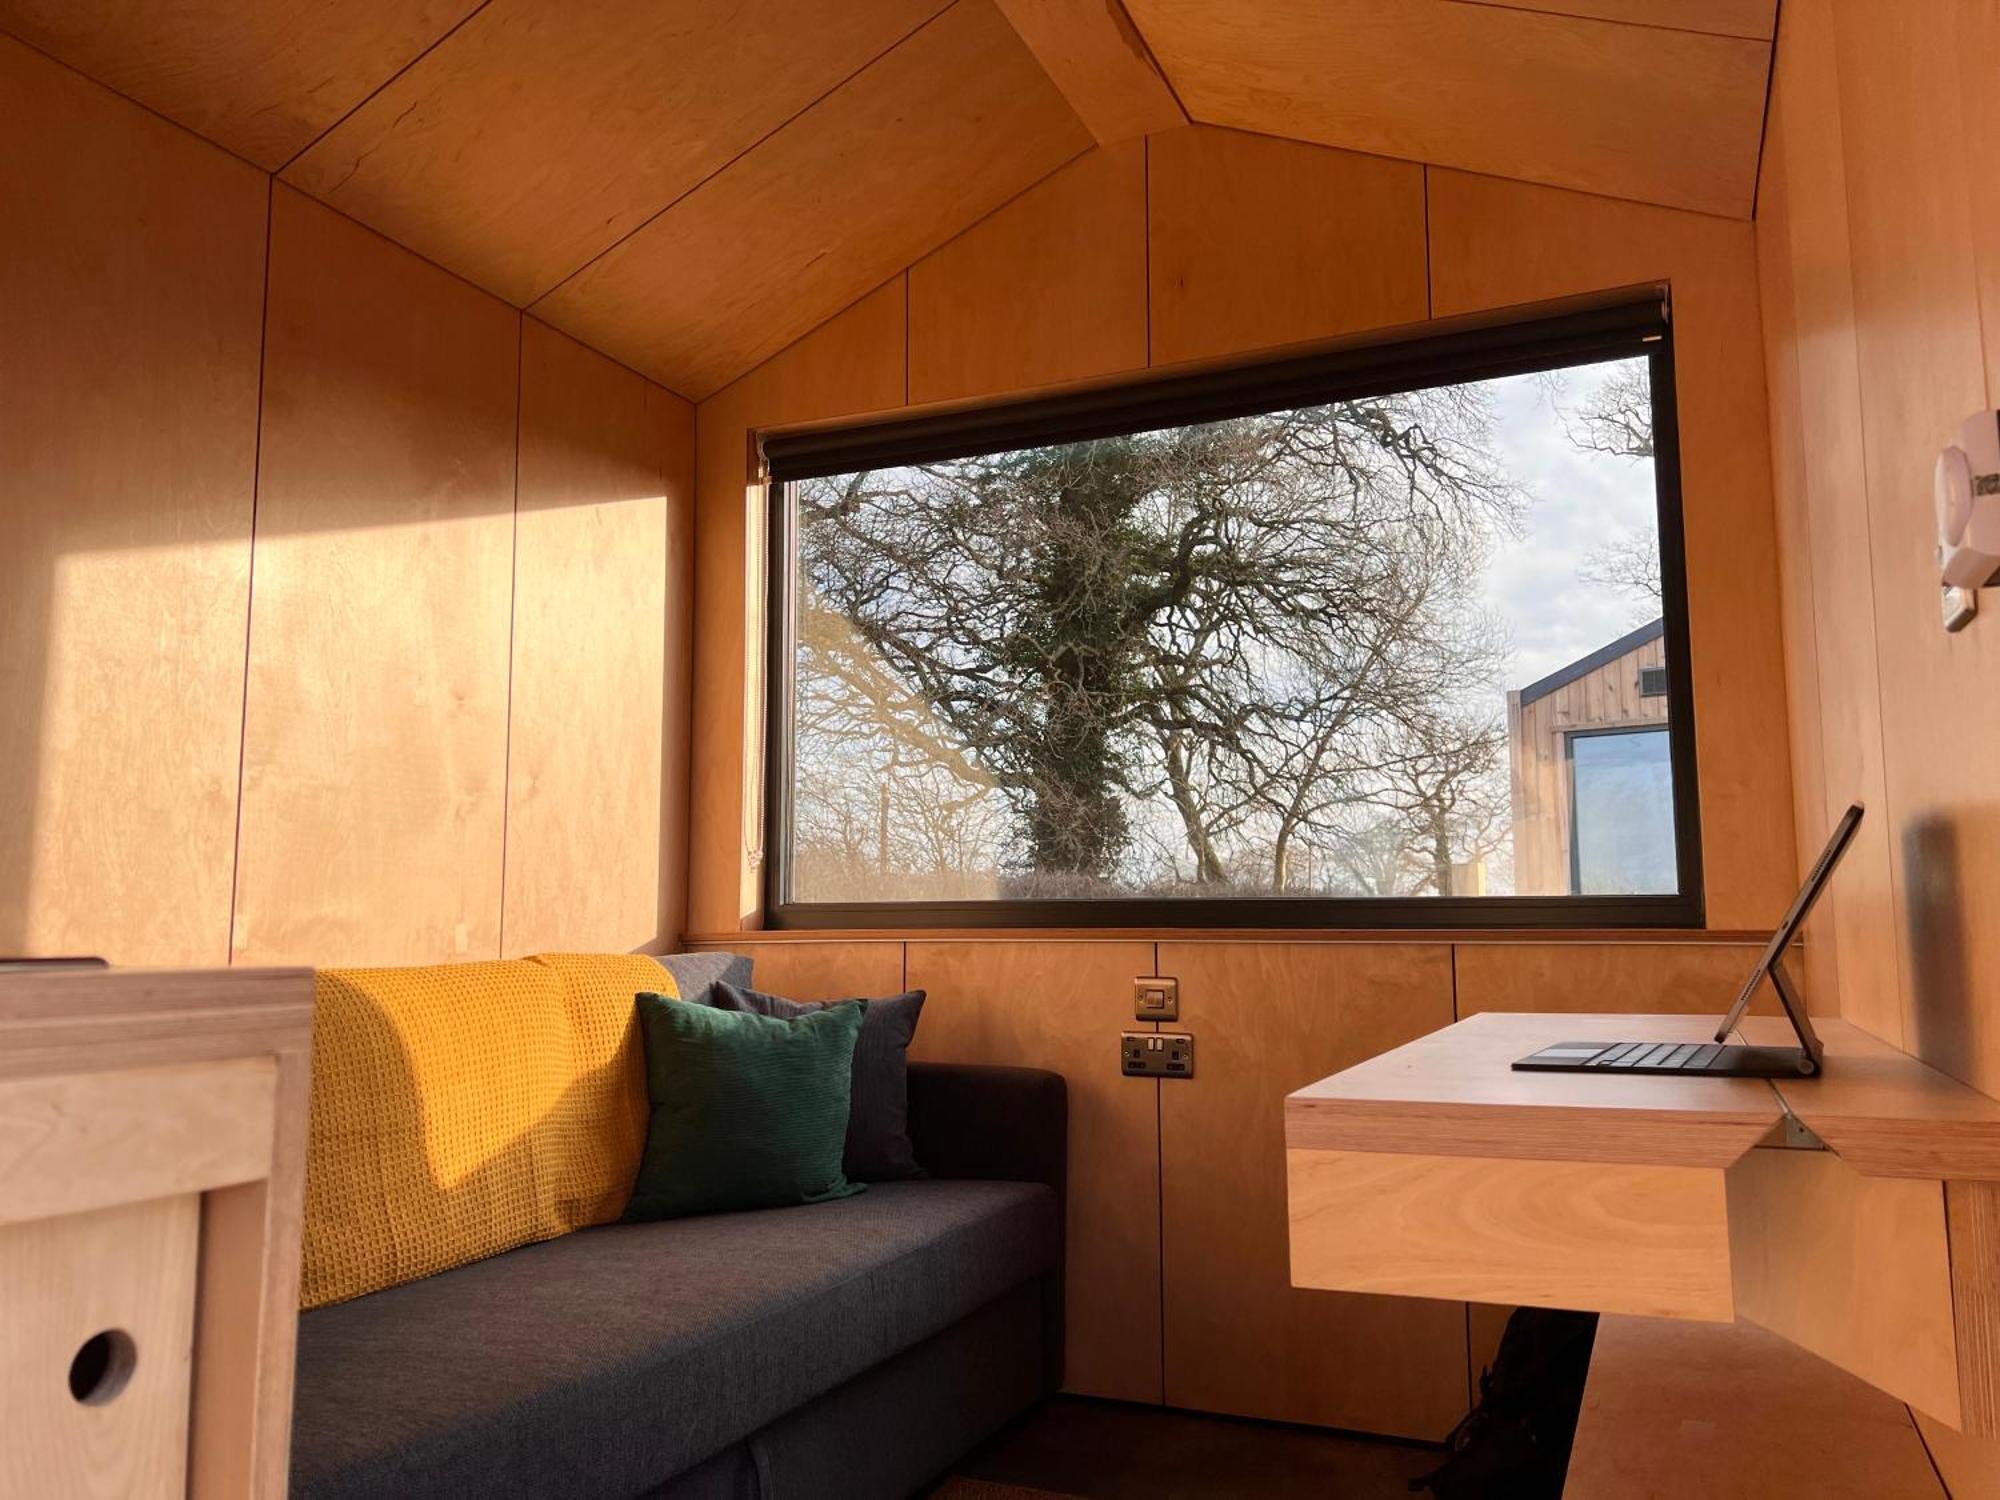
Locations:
(362, 102)
(138, 104)
(513, 617)
(706, 178)
(1603, 20)
(1764, 125)
(250, 582)
(1430, 291)
(1146, 251)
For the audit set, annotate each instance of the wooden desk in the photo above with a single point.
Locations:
(1857, 1214)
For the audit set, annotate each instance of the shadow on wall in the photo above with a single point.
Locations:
(1945, 1021)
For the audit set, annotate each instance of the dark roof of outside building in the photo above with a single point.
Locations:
(1583, 666)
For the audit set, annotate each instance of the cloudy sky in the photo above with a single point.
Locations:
(1576, 502)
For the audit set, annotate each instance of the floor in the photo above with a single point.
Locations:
(1102, 1450)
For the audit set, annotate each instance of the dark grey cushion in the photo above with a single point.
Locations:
(608, 1361)
(878, 1110)
(695, 974)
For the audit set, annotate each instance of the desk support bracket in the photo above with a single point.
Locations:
(1791, 1134)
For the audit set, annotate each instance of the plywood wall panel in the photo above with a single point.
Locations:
(674, 419)
(1271, 1018)
(1795, 569)
(1748, 18)
(1640, 977)
(586, 814)
(1809, 300)
(833, 970)
(1637, 112)
(376, 722)
(854, 363)
(1258, 242)
(1922, 369)
(1078, 238)
(941, 130)
(537, 137)
(1495, 243)
(1061, 1006)
(262, 80)
(131, 308)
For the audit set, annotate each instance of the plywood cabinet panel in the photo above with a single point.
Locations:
(1060, 1006)
(129, 321)
(586, 857)
(375, 747)
(1257, 242)
(1051, 287)
(1497, 243)
(1270, 1018)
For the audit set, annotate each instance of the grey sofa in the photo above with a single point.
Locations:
(847, 1349)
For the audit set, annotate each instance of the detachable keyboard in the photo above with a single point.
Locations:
(1713, 1059)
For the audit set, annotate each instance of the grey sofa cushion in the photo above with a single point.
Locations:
(877, 1148)
(607, 1361)
(695, 974)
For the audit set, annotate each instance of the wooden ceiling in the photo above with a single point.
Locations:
(690, 186)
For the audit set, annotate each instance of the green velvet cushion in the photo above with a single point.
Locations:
(749, 1111)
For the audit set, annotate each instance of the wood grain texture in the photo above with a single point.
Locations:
(673, 418)
(261, 80)
(220, 1054)
(1854, 1268)
(1747, 18)
(1239, 1338)
(1922, 368)
(825, 971)
(1972, 1220)
(1651, 1240)
(78, 1142)
(586, 786)
(1733, 1413)
(376, 734)
(1061, 1006)
(1889, 1114)
(533, 140)
(1808, 288)
(937, 132)
(1820, 964)
(128, 419)
(1453, 1092)
(1969, 1466)
(1694, 979)
(1496, 243)
(1100, 62)
(1672, 117)
(853, 363)
(1078, 238)
(1256, 242)
(130, 1268)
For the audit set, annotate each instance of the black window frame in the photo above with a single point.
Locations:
(1622, 324)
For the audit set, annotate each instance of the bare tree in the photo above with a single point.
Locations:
(1216, 625)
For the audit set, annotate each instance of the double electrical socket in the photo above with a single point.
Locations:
(1157, 1054)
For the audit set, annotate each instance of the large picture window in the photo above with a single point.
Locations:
(1393, 634)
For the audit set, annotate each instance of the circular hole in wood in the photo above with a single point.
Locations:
(102, 1367)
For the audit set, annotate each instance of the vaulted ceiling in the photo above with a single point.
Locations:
(689, 185)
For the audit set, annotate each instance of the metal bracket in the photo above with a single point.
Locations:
(1791, 1134)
